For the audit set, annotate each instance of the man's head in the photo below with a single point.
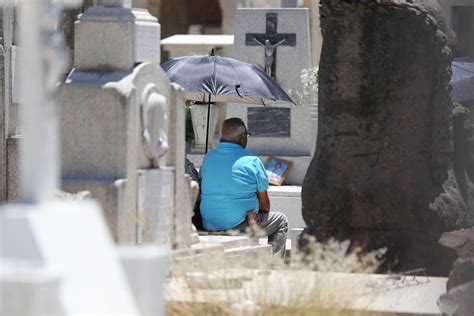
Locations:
(233, 130)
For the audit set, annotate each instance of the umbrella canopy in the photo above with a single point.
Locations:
(462, 80)
(224, 79)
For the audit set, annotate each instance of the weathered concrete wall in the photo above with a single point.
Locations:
(380, 173)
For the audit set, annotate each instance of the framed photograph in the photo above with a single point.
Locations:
(277, 169)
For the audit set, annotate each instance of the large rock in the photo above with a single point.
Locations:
(462, 273)
(382, 172)
(460, 290)
(460, 240)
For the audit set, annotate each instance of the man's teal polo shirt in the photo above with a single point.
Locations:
(230, 179)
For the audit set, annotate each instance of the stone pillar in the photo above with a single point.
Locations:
(380, 173)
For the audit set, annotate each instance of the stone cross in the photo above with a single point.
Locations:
(270, 40)
(41, 68)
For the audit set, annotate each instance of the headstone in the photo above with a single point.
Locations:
(42, 238)
(29, 289)
(381, 174)
(278, 130)
(145, 279)
(115, 119)
(270, 40)
(52, 235)
(132, 36)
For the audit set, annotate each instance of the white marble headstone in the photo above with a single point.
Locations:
(290, 59)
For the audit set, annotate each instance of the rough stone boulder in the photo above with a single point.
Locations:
(458, 301)
(383, 173)
(462, 273)
(460, 240)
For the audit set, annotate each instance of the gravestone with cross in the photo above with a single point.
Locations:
(278, 130)
(49, 265)
(270, 40)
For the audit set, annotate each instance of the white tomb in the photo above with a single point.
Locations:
(59, 255)
(197, 44)
(286, 131)
(115, 122)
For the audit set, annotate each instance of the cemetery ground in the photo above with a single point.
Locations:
(331, 279)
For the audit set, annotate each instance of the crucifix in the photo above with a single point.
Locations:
(270, 40)
(42, 63)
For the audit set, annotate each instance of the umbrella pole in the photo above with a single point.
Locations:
(207, 126)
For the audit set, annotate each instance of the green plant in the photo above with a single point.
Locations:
(309, 93)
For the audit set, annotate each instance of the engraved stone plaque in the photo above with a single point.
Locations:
(269, 121)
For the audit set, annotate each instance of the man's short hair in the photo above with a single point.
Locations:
(233, 128)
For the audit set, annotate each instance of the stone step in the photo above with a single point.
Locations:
(201, 257)
(228, 241)
(349, 293)
(250, 257)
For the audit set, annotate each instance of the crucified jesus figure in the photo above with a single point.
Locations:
(269, 51)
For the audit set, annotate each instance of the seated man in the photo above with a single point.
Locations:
(234, 188)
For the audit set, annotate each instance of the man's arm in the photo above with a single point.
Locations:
(263, 201)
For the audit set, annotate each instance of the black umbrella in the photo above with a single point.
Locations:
(224, 80)
(462, 79)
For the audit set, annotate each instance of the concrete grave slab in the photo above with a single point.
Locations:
(146, 268)
(63, 235)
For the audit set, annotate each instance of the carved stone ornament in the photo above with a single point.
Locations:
(154, 120)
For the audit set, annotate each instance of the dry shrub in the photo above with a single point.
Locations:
(287, 289)
(335, 256)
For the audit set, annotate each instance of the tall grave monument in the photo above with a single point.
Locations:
(115, 118)
(49, 265)
(278, 41)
